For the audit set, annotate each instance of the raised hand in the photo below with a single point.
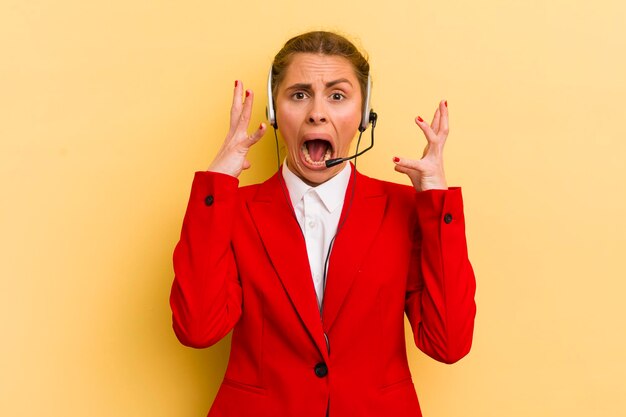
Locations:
(427, 173)
(231, 158)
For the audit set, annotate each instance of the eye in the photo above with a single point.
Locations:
(337, 96)
(299, 95)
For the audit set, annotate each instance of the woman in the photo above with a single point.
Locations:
(314, 269)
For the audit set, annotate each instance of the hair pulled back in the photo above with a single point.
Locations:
(320, 42)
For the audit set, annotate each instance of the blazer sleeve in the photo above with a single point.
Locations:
(206, 295)
(441, 286)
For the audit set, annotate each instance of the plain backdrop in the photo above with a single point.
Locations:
(108, 108)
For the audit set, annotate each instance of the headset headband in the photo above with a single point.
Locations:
(366, 116)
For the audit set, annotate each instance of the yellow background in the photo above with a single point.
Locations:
(107, 109)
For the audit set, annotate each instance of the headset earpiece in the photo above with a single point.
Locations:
(366, 117)
(271, 112)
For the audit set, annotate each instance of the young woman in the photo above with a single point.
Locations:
(314, 269)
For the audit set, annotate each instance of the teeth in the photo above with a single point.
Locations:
(308, 159)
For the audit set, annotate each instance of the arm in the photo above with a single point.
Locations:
(440, 292)
(206, 294)
(206, 297)
(441, 286)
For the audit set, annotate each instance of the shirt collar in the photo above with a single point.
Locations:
(331, 192)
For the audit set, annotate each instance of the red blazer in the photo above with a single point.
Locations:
(241, 265)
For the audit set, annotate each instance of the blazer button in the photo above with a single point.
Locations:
(447, 218)
(209, 200)
(321, 370)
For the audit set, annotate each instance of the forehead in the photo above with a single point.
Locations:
(311, 68)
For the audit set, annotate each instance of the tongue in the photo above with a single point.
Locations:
(317, 149)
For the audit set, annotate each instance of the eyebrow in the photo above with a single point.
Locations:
(304, 86)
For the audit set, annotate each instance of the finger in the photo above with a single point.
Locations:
(435, 124)
(404, 170)
(443, 124)
(235, 108)
(413, 175)
(431, 136)
(246, 111)
(407, 165)
(257, 135)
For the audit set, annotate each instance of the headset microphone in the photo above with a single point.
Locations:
(336, 161)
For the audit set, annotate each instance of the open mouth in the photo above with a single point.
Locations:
(317, 151)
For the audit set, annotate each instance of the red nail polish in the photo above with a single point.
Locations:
(420, 119)
(236, 83)
(396, 159)
(247, 93)
(261, 126)
(446, 103)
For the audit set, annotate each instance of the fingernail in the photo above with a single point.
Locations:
(396, 159)
(247, 93)
(236, 83)
(420, 119)
(446, 103)
(261, 126)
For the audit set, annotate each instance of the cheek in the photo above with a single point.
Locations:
(349, 122)
(288, 126)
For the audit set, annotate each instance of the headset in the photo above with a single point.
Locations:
(368, 116)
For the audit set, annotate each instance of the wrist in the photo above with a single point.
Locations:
(223, 169)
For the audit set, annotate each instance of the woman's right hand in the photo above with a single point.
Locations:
(231, 158)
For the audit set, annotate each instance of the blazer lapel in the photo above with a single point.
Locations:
(281, 235)
(362, 220)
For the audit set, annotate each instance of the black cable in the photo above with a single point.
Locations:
(277, 152)
(332, 241)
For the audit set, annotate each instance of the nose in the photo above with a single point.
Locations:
(317, 113)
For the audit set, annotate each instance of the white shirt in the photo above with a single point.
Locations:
(317, 210)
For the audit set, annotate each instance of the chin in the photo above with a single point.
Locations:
(318, 178)
(315, 176)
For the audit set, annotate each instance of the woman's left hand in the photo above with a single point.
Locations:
(427, 173)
